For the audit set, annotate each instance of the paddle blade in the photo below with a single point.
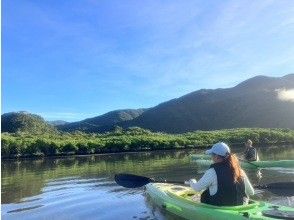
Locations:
(282, 192)
(131, 181)
(279, 188)
(281, 185)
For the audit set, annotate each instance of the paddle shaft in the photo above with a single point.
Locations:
(168, 181)
(277, 185)
(133, 181)
(246, 161)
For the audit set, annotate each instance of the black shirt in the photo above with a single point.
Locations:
(229, 193)
(251, 154)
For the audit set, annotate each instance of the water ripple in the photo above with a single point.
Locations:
(25, 209)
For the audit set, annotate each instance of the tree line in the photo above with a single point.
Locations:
(23, 144)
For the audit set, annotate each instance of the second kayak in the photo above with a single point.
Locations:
(206, 161)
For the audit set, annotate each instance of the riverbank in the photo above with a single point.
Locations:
(16, 145)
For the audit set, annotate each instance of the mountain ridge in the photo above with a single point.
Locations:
(96, 123)
(207, 109)
(254, 102)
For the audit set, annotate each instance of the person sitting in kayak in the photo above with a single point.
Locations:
(224, 183)
(250, 153)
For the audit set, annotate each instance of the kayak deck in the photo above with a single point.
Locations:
(185, 202)
(205, 160)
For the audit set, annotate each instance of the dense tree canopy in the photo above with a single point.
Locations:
(132, 139)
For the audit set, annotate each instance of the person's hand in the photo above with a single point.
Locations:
(188, 182)
(259, 174)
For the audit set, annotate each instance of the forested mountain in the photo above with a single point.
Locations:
(258, 102)
(103, 122)
(24, 122)
(265, 102)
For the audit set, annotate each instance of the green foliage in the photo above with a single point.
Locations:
(69, 148)
(46, 147)
(24, 122)
(131, 139)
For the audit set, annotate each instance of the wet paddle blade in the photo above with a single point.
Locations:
(277, 185)
(275, 213)
(282, 192)
(131, 181)
(279, 188)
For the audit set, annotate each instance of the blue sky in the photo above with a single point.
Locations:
(76, 59)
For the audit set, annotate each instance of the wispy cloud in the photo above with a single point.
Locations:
(238, 42)
(134, 53)
(174, 42)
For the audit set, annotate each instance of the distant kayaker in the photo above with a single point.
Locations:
(250, 153)
(224, 183)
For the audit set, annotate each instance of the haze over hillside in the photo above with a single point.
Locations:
(100, 123)
(266, 102)
(57, 122)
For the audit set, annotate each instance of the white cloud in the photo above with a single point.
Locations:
(286, 95)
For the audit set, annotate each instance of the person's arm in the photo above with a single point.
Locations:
(244, 154)
(249, 190)
(206, 180)
(256, 155)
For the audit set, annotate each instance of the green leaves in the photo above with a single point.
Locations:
(132, 139)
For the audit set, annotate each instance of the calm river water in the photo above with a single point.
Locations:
(83, 187)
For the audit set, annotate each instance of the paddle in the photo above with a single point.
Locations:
(134, 181)
(278, 188)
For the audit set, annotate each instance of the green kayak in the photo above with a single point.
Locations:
(204, 160)
(184, 202)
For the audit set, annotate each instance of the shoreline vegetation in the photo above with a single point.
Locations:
(135, 139)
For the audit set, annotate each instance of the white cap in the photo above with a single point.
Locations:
(220, 149)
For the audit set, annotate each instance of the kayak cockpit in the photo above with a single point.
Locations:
(185, 202)
(188, 195)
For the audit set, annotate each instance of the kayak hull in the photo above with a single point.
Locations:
(180, 200)
(206, 161)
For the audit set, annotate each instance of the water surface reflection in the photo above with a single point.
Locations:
(83, 187)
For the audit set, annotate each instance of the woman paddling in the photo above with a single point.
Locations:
(224, 183)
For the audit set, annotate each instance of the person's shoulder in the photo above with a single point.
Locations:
(210, 171)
